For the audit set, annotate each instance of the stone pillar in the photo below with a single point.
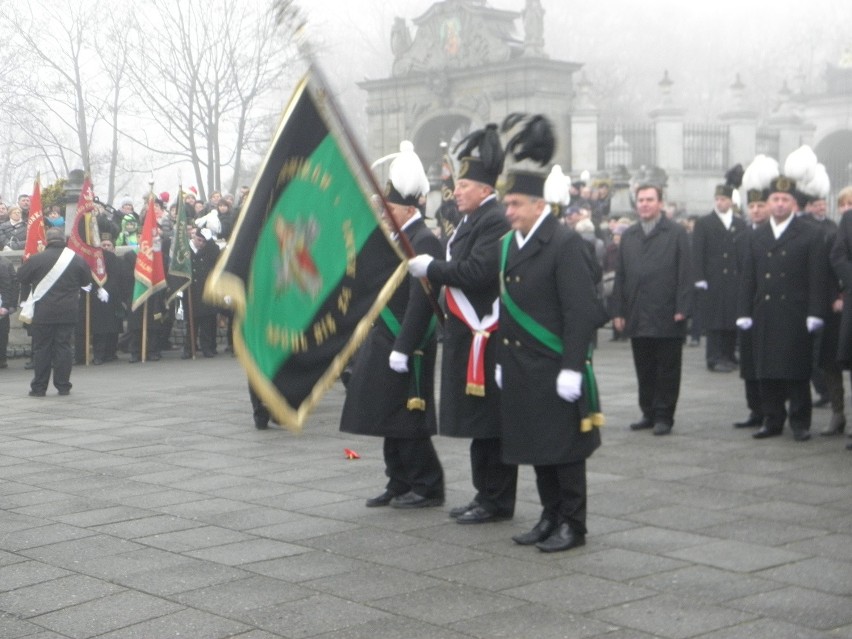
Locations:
(742, 127)
(71, 196)
(792, 130)
(668, 129)
(584, 130)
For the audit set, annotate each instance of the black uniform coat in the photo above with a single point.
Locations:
(376, 396)
(549, 279)
(748, 371)
(59, 305)
(653, 280)
(474, 268)
(841, 260)
(714, 256)
(831, 331)
(203, 261)
(108, 317)
(783, 282)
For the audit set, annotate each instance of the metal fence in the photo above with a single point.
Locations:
(705, 147)
(630, 145)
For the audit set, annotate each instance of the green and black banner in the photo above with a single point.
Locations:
(309, 265)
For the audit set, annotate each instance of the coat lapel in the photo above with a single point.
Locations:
(534, 246)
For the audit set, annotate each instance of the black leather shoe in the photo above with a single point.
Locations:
(662, 429)
(541, 531)
(849, 446)
(563, 539)
(642, 424)
(413, 500)
(753, 420)
(801, 435)
(458, 511)
(35, 393)
(64, 392)
(261, 424)
(836, 426)
(134, 359)
(478, 515)
(765, 432)
(380, 500)
(722, 367)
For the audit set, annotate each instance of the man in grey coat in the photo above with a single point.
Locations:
(652, 298)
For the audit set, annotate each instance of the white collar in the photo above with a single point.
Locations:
(727, 218)
(520, 239)
(409, 222)
(779, 227)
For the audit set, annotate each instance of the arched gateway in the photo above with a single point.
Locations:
(463, 67)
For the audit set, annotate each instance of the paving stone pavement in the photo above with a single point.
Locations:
(146, 505)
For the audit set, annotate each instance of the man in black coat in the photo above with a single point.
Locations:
(55, 310)
(9, 293)
(470, 398)
(758, 214)
(652, 297)
(205, 252)
(714, 253)
(841, 261)
(391, 391)
(783, 299)
(548, 317)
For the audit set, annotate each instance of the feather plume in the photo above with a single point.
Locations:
(534, 142)
(820, 186)
(406, 172)
(557, 187)
(511, 121)
(734, 176)
(487, 142)
(801, 164)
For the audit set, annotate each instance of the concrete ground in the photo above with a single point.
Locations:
(146, 505)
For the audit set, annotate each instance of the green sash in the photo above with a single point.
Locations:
(550, 340)
(415, 395)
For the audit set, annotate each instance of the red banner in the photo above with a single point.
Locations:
(88, 246)
(35, 224)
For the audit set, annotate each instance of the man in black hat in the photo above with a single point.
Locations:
(52, 281)
(714, 252)
(782, 299)
(548, 316)
(652, 297)
(391, 390)
(470, 400)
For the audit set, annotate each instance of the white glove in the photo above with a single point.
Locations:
(398, 362)
(103, 295)
(702, 284)
(179, 294)
(228, 300)
(498, 376)
(814, 324)
(744, 323)
(568, 385)
(87, 288)
(419, 264)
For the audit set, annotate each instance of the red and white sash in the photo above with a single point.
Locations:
(460, 306)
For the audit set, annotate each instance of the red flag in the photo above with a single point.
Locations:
(35, 224)
(149, 272)
(89, 248)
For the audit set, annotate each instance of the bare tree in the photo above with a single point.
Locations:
(214, 63)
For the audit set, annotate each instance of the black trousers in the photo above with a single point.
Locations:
(52, 349)
(562, 491)
(5, 325)
(658, 364)
(495, 482)
(721, 346)
(205, 331)
(413, 465)
(753, 400)
(775, 392)
(259, 411)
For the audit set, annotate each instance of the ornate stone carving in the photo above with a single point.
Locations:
(454, 34)
(534, 29)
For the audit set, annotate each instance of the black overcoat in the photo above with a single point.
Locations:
(714, 258)
(549, 279)
(748, 371)
(203, 261)
(653, 280)
(59, 305)
(474, 268)
(377, 397)
(108, 317)
(784, 282)
(841, 261)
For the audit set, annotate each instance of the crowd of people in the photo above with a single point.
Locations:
(526, 285)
